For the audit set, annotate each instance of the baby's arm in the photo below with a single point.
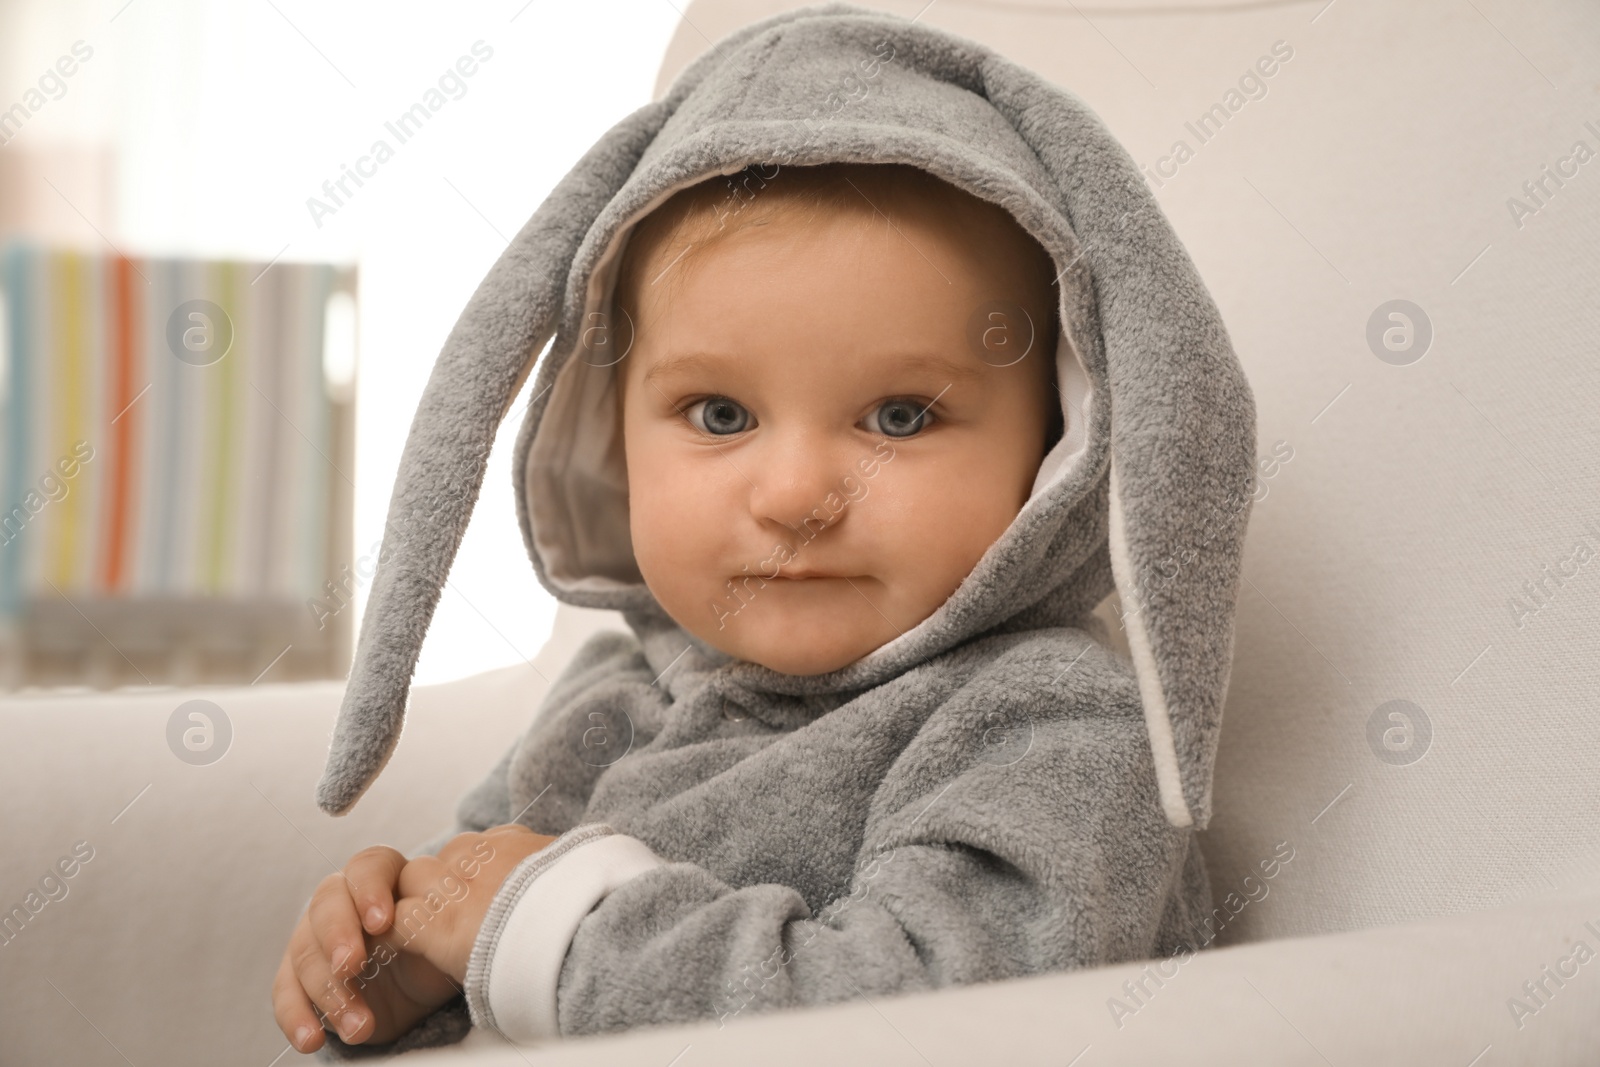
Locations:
(1061, 860)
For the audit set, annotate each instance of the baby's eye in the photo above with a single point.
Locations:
(901, 418)
(720, 415)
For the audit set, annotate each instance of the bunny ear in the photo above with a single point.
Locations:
(484, 362)
(1182, 432)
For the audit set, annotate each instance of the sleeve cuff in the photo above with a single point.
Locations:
(516, 959)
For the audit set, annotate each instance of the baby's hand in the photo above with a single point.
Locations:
(445, 897)
(329, 972)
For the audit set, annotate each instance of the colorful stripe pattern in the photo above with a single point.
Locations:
(127, 471)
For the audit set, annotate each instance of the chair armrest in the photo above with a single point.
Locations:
(1428, 992)
(168, 939)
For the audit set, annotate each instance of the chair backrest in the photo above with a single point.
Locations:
(1395, 206)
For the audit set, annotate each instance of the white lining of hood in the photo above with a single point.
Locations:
(576, 482)
(1075, 391)
(577, 442)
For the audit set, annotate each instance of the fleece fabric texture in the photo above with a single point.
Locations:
(995, 792)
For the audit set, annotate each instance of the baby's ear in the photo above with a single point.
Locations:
(1182, 428)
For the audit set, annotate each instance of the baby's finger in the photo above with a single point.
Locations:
(420, 875)
(414, 930)
(292, 1009)
(374, 872)
(335, 928)
(335, 999)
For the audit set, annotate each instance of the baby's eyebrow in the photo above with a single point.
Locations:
(686, 361)
(901, 362)
(963, 370)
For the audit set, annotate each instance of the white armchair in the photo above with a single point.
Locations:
(1411, 710)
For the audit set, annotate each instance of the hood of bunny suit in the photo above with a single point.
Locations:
(1147, 491)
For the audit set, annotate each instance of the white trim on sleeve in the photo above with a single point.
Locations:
(516, 959)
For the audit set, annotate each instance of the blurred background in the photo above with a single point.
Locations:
(234, 236)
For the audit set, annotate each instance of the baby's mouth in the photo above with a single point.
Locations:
(804, 576)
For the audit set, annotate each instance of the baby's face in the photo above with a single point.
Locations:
(818, 452)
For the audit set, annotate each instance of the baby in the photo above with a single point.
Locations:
(849, 318)
(835, 435)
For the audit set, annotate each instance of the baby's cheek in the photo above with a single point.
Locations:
(936, 556)
(674, 553)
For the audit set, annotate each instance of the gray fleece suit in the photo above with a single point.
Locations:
(994, 793)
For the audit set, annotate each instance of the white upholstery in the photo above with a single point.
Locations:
(1381, 566)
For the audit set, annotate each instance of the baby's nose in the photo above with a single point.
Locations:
(800, 482)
